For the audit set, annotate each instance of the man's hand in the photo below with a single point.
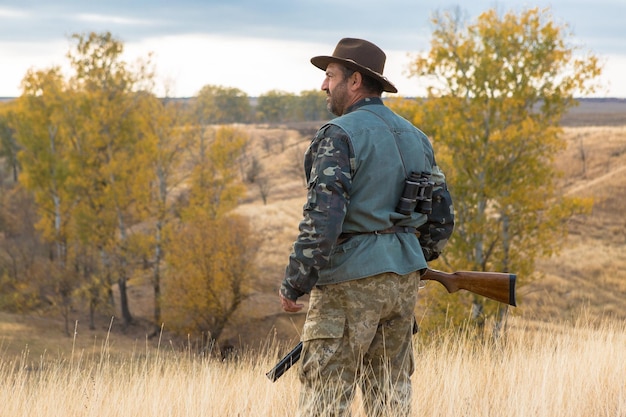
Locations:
(289, 306)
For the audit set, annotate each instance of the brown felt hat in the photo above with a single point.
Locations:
(360, 55)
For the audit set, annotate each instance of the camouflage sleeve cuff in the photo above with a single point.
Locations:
(289, 292)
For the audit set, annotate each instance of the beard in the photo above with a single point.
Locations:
(336, 99)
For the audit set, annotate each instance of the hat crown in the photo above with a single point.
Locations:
(361, 52)
(360, 55)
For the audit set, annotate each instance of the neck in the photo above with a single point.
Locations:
(358, 96)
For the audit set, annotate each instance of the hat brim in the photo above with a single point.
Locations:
(322, 62)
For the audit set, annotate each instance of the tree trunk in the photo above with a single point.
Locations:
(92, 313)
(156, 279)
(126, 316)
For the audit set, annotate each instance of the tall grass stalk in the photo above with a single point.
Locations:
(534, 370)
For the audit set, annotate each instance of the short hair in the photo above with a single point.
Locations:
(371, 85)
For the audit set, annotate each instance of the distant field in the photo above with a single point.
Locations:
(590, 112)
(597, 112)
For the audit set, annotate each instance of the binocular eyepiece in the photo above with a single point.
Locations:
(417, 194)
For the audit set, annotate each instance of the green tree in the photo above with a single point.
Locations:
(311, 106)
(276, 107)
(500, 86)
(221, 105)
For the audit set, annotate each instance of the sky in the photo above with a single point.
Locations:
(258, 46)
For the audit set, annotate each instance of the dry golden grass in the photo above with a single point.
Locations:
(544, 367)
(534, 370)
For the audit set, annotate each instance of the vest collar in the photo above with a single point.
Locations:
(364, 102)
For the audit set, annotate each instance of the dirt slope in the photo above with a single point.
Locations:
(587, 276)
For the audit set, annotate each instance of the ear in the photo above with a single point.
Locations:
(355, 80)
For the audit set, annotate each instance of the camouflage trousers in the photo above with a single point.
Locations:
(358, 334)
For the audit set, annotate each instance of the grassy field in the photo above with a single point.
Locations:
(563, 354)
(540, 370)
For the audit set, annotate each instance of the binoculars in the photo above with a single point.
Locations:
(417, 194)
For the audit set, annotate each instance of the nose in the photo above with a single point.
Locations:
(325, 84)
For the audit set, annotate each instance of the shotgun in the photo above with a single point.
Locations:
(498, 286)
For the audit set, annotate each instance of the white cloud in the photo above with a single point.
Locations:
(12, 13)
(118, 20)
(252, 65)
(25, 56)
(216, 42)
(186, 63)
(613, 78)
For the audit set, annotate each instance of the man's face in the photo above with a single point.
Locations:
(336, 88)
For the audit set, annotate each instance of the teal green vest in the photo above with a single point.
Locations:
(387, 149)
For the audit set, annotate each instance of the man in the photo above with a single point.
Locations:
(356, 254)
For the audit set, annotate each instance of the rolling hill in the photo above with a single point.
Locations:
(586, 277)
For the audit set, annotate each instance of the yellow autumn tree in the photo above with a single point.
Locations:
(166, 144)
(216, 186)
(211, 267)
(210, 254)
(42, 134)
(47, 172)
(23, 274)
(82, 157)
(106, 121)
(8, 145)
(498, 89)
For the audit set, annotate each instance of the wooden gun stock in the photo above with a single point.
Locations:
(499, 286)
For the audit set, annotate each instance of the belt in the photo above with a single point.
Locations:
(393, 229)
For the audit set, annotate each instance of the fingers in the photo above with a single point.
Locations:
(290, 306)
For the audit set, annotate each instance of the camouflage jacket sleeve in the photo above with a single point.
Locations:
(327, 165)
